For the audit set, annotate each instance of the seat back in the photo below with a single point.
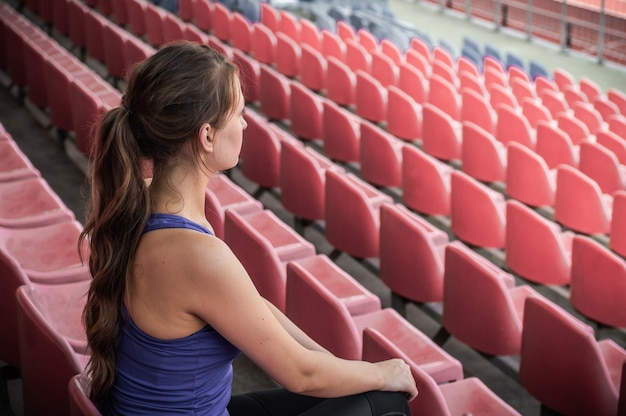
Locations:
(331, 325)
(380, 156)
(528, 178)
(312, 68)
(306, 112)
(241, 32)
(341, 133)
(287, 56)
(53, 346)
(412, 82)
(476, 211)
(425, 182)
(274, 92)
(476, 109)
(404, 115)
(477, 307)
(482, 156)
(249, 73)
(554, 102)
(370, 98)
(289, 25)
(357, 57)
(512, 126)
(443, 95)
(80, 404)
(260, 152)
(352, 216)
(221, 18)
(555, 146)
(598, 288)
(535, 112)
(561, 364)
(411, 254)
(384, 69)
(536, 248)
(589, 116)
(573, 127)
(579, 202)
(601, 165)
(441, 135)
(340, 82)
(263, 44)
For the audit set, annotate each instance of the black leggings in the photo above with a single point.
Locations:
(280, 402)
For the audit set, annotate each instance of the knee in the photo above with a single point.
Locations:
(386, 403)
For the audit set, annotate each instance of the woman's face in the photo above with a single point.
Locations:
(228, 140)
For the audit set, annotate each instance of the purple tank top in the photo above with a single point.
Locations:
(185, 376)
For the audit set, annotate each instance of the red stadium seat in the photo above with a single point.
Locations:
(425, 182)
(340, 82)
(537, 248)
(601, 165)
(241, 30)
(370, 98)
(598, 287)
(444, 96)
(441, 134)
(482, 156)
(482, 307)
(404, 115)
(357, 57)
(312, 68)
(528, 178)
(413, 82)
(380, 156)
(263, 44)
(274, 92)
(306, 112)
(476, 109)
(287, 56)
(477, 212)
(555, 146)
(411, 255)
(563, 366)
(512, 126)
(341, 133)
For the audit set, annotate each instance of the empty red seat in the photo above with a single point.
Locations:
(269, 16)
(482, 156)
(173, 28)
(618, 98)
(260, 152)
(495, 77)
(203, 14)
(589, 88)
(617, 124)
(312, 68)
(303, 180)
(249, 73)
(263, 44)
(482, 307)
(357, 57)
(601, 165)
(419, 62)
(384, 69)
(563, 366)
(425, 182)
(274, 91)
(332, 45)
(580, 203)
(355, 297)
(555, 146)
(477, 110)
(289, 25)
(380, 156)
(336, 329)
(573, 127)
(554, 102)
(89, 102)
(477, 212)
(154, 19)
(115, 39)
(411, 255)
(528, 178)
(543, 84)
(241, 32)
(445, 72)
(221, 18)
(441, 134)
(617, 241)
(345, 31)
(412, 82)
(522, 90)
(443, 95)
(340, 82)
(512, 126)
(53, 345)
(614, 143)
(306, 112)
(310, 35)
(94, 34)
(43, 255)
(341, 133)
(598, 287)
(534, 111)
(370, 98)
(501, 96)
(186, 9)
(589, 116)
(563, 78)
(136, 50)
(287, 56)
(537, 249)
(352, 214)
(30, 202)
(223, 194)
(367, 40)
(14, 164)
(404, 115)
(463, 397)
(264, 244)
(136, 20)
(573, 95)
(605, 107)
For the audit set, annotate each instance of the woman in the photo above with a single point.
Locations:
(170, 305)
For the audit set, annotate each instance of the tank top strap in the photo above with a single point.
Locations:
(160, 221)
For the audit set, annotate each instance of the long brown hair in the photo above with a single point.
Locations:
(168, 97)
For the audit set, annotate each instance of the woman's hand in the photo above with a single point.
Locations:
(397, 377)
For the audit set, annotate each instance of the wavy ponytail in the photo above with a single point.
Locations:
(121, 205)
(168, 97)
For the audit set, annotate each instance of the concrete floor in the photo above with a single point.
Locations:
(500, 374)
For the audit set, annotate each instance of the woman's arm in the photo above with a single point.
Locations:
(219, 290)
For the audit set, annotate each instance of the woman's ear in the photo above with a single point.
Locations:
(205, 137)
